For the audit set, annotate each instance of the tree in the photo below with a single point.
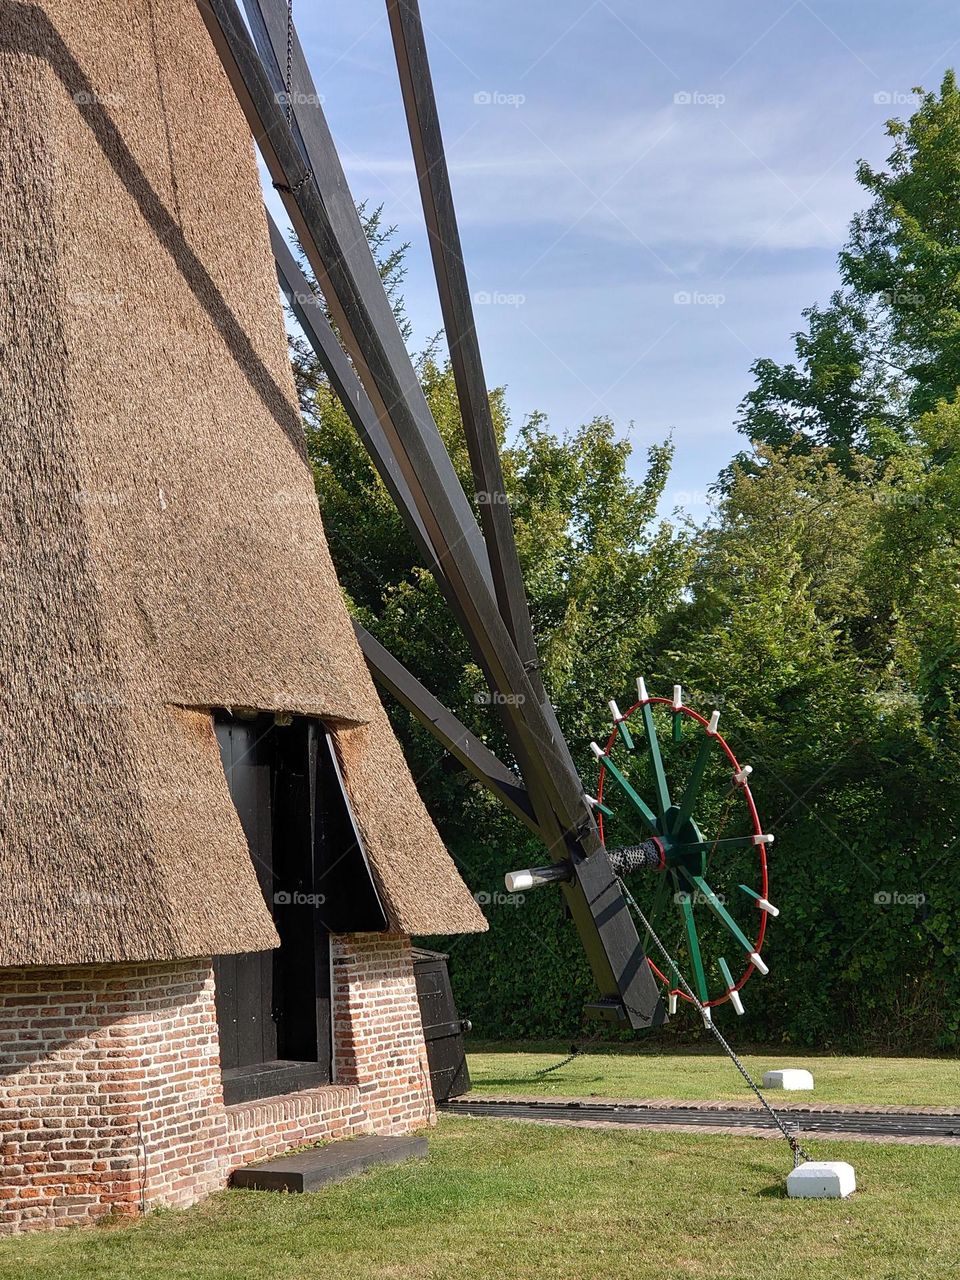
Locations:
(600, 568)
(839, 394)
(904, 249)
(886, 348)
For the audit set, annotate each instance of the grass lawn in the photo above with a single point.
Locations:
(532, 1202)
(509, 1069)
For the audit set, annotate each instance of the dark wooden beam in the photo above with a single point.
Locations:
(426, 139)
(436, 196)
(476, 758)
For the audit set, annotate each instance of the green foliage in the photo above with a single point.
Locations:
(840, 393)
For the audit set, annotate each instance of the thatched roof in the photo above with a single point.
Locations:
(162, 548)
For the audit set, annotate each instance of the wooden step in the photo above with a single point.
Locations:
(312, 1169)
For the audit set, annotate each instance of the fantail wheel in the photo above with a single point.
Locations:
(682, 843)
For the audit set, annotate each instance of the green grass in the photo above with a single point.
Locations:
(533, 1202)
(687, 1076)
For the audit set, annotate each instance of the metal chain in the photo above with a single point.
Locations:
(575, 1052)
(799, 1155)
(289, 79)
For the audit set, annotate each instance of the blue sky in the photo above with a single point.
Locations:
(609, 160)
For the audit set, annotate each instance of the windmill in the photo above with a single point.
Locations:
(475, 564)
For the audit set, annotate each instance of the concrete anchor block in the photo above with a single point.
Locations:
(822, 1180)
(791, 1078)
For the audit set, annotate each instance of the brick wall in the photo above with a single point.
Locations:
(110, 1096)
(378, 1043)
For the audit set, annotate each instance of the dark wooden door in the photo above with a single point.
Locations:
(443, 1028)
(245, 983)
(274, 1007)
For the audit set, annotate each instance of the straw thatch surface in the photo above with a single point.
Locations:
(161, 544)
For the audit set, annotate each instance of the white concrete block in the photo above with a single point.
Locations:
(792, 1078)
(822, 1180)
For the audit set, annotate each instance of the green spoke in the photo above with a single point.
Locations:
(659, 777)
(693, 786)
(647, 814)
(620, 725)
(721, 912)
(693, 945)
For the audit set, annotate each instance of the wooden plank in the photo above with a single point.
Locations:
(309, 1170)
(436, 195)
(348, 388)
(317, 159)
(659, 777)
(693, 946)
(685, 812)
(225, 967)
(225, 980)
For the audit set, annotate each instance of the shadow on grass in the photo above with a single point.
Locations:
(778, 1191)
